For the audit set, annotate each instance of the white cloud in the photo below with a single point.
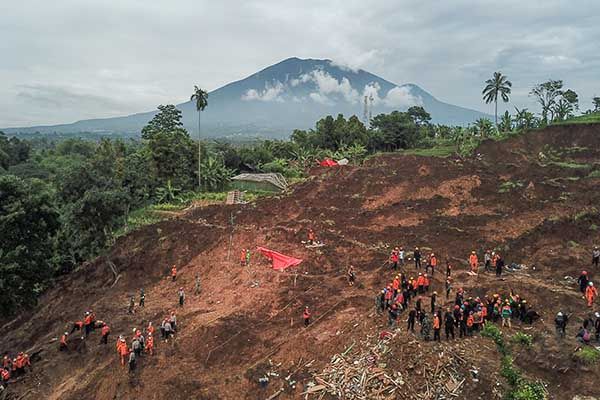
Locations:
(328, 85)
(271, 92)
(321, 98)
(401, 97)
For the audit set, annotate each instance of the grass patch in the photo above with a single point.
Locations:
(442, 151)
(509, 186)
(522, 339)
(139, 218)
(588, 355)
(594, 174)
(568, 165)
(593, 118)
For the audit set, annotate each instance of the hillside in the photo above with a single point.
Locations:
(533, 197)
(291, 94)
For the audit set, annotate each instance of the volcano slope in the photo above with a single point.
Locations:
(533, 197)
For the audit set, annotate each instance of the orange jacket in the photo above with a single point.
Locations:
(243, 256)
(306, 314)
(5, 362)
(425, 281)
(421, 281)
(87, 320)
(415, 284)
(591, 292)
(396, 284)
(311, 235)
(483, 312)
(119, 345)
(5, 375)
(473, 259)
(105, 330)
(149, 342)
(433, 261)
(19, 362)
(124, 351)
(174, 271)
(63, 339)
(150, 329)
(470, 321)
(436, 322)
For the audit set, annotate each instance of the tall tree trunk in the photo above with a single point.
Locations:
(199, 154)
(496, 112)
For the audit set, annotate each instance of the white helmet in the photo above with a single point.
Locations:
(560, 314)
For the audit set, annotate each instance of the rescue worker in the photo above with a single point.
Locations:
(311, 236)
(590, 294)
(173, 273)
(597, 326)
(77, 326)
(417, 257)
(380, 301)
(426, 283)
(87, 323)
(401, 256)
(197, 285)
(392, 316)
(462, 324)
(131, 308)
(181, 294)
(19, 365)
(132, 360)
(243, 258)
(432, 263)
(122, 349)
(173, 321)
(306, 316)
(595, 256)
(150, 328)
(473, 262)
(4, 376)
(470, 322)
(506, 314)
(136, 346)
(395, 258)
(448, 269)
(448, 287)
(142, 298)
(63, 342)
(6, 362)
(449, 324)
(499, 265)
(247, 257)
(351, 275)
(583, 281)
(433, 299)
(167, 327)
(412, 315)
(150, 344)
(487, 259)
(420, 283)
(425, 327)
(105, 332)
(436, 327)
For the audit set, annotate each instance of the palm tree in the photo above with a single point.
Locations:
(499, 84)
(200, 96)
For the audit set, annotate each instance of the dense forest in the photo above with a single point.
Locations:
(64, 200)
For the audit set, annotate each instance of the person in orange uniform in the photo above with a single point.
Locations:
(590, 294)
(150, 344)
(63, 342)
(436, 327)
(122, 349)
(433, 263)
(473, 261)
(173, 273)
(311, 237)
(243, 258)
(150, 328)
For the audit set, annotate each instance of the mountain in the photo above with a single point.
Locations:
(292, 94)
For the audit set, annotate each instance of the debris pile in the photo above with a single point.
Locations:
(363, 376)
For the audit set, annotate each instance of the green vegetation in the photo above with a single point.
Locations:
(520, 388)
(569, 165)
(594, 174)
(522, 339)
(437, 151)
(498, 85)
(509, 186)
(590, 118)
(588, 355)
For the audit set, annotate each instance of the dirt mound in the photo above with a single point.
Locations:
(529, 197)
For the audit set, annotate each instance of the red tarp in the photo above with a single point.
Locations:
(328, 162)
(280, 261)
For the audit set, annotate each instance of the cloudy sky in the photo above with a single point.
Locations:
(65, 60)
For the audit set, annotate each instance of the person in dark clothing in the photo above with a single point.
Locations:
(142, 298)
(392, 316)
(380, 302)
(499, 265)
(456, 315)
(449, 324)
(412, 315)
(595, 256)
(448, 288)
(417, 257)
(418, 305)
(597, 326)
(560, 322)
(462, 324)
(433, 299)
(583, 281)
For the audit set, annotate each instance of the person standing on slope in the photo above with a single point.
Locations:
(174, 273)
(306, 316)
(473, 261)
(181, 294)
(417, 257)
(590, 294)
(583, 281)
(596, 256)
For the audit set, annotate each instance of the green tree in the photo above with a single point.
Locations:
(171, 148)
(28, 222)
(419, 115)
(497, 85)
(546, 95)
(505, 122)
(484, 128)
(398, 130)
(200, 96)
(214, 174)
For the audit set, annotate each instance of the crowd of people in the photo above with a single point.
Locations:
(14, 367)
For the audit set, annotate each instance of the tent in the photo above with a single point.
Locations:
(266, 182)
(280, 261)
(328, 162)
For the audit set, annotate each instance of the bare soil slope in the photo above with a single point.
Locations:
(530, 196)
